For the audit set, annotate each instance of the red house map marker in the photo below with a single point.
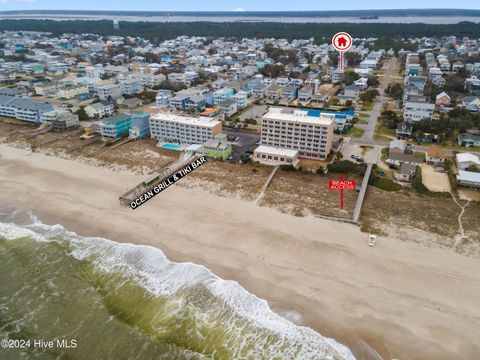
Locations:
(342, 42)
(341, 185)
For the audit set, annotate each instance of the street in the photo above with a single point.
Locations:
(375, 113)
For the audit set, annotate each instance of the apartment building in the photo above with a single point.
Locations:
(311, 136)
(183, 129)
(23, 108)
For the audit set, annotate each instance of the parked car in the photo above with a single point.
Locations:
(355, 157)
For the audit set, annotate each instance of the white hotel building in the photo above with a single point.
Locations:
(310, 136)
(183, 129)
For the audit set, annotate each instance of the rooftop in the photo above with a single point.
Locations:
(276, 151)
(200, 121)
(300, 117)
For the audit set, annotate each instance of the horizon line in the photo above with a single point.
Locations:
(237, 11)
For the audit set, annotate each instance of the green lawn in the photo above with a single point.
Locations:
(355, 132)
(384, 134)
(362, 121)
(367, 107)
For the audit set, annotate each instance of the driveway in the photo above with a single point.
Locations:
(433, 180)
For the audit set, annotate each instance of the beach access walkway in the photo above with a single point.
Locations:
(361, 194)
(267, 183)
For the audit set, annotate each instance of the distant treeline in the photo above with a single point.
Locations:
(157, 31)
(310, 14)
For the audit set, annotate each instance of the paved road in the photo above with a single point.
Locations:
(449, 152)
(375, 113)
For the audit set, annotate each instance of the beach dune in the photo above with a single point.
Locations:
(400, 299)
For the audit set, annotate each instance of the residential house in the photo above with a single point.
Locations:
(241, 98)
(397, 159)
(289, 92)
(130, 87)
(140, 127)
(162, 100)
(222, 94)
(469, 138)
(132, 103)
(404, 129)
(411, 90)
(417, 81)
(442, 99)
(60, 119)
(305, 93)
(71, 92)
(406, 173)
(99, 110)
(465, 160)
(195, 103)
(274, 92)
(397, 146)
(417, 110)
(468, 179)
(218, 147)
(259, 91)
(337, 76)
(435, 75)
(116, 126)
(109, 91)
(435, 155)
(228, 107)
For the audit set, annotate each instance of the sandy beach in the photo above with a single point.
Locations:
(400, 299)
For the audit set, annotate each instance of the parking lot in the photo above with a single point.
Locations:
(370, 155)
(434, 180)
(247, 142)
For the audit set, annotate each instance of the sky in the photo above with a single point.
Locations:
(231, 5)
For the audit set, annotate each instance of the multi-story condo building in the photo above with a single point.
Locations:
(23, 108)
(183, 129)
(311, 136)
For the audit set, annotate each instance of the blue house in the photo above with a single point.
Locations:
(140, 127)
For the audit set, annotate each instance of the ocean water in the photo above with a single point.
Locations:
(124, 301)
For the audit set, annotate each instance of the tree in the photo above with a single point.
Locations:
(372, 81)
(82, 114)
(389, 119)
(473, 168)
(395, 91)
(350, 77)
(369, 95)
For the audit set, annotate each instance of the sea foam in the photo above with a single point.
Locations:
(162, 277)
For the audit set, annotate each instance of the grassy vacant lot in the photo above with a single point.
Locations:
(301, 194)
(355, 132)
(224, 178)
(384, 134)
(410, 216)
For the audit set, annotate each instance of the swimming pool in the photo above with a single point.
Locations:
(172, 147)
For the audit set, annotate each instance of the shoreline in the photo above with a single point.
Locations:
(396, 297)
